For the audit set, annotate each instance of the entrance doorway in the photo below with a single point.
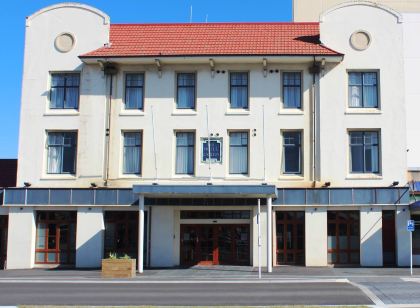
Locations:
(388, 238)
(3, 240)
(290, 235)
(215, 244)
(344, 237)
(55, 238)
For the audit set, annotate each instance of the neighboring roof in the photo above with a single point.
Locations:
(8, 172)
(213, 39)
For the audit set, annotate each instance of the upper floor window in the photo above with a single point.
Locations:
(185, 146)
(132, 153)
(364, 152)
(238, 153)
(134, 91)
(64, 92)
(61, 152)
(292, 90)
(185, 91)
(239, 90)
(363, 90)
(292, 152)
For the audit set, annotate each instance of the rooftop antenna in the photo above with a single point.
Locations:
(191, 12)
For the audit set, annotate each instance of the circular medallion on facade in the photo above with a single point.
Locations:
(360, 40)
(64, 42)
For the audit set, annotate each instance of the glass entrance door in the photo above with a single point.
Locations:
(215, 244)
(290, 234)
(388, 238)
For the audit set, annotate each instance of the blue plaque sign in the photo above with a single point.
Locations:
(215, 150)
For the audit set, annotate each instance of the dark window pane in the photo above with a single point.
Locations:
(186, 91)
(60, 196)
(239, 90)
(82, 197)
(292, 90)
(292, 152)
(38, 196)
(106, 197)
(64, 92)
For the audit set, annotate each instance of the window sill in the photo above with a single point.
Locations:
(131, 113)
(367, 176)
(62, 112)
(239, 112)
(184, 113)
(363, 111)
(63, 177)
(291, 112)
(237, 177)
(291, 177)
(130, 177)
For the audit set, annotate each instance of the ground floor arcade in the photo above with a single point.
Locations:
(206, 230)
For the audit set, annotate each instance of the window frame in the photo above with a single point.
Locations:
(300, 72)
(176, 132)
(143, 87)
(247, 92)
(141, 152)
(177, 74)
(47, 146)
(301, 153)
(363, 72)
(65, 73)
(248, 152)
(378, 145)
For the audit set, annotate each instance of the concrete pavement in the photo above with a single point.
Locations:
(214, 286)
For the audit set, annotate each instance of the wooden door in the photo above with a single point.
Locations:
(290, 235)
(388, 238)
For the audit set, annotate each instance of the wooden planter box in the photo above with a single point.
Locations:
(118, 268)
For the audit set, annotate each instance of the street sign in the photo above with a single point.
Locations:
(410, 226)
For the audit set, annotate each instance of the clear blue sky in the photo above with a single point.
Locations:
(12, 27)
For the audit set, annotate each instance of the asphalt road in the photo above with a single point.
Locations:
(16, 293)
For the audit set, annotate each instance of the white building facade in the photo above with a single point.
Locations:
(307, 119)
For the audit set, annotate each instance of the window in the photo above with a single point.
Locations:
(186, 91)
(364, 152)
(132, 153)
(134, 90)
(363, 90)
(61, 156)
(292, 90)
(239, 90)
(64, 92)
(292, 152)
(238, 153)
(185, 153)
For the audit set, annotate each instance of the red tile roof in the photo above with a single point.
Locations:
(213, 39)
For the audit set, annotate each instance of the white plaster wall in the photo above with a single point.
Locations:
(162, 237)
(254, 245)
(384, 54)
(411, 28)
(371, 236)
(316, 245)
(89, 237)
(21, 238)
(403, 236)
(91, 30)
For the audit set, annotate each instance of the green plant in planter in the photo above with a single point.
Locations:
(113, 256)
(126, 257)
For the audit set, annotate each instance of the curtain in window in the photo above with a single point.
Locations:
(238, 153)
(364, 150)
(355, 90)
(292, 152)
(370, 91)
(371, 152)
(186, 91)
(57, 91)
(239, 90)
(132, 153)
(55, 153)
(134, 91)
(184, 153)
(292, 90)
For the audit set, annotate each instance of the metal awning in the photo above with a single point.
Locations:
(215, 191)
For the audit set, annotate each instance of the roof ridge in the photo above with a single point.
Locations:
(217, 23)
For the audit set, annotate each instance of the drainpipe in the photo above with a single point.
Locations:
(315, 70)
(109, 70)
